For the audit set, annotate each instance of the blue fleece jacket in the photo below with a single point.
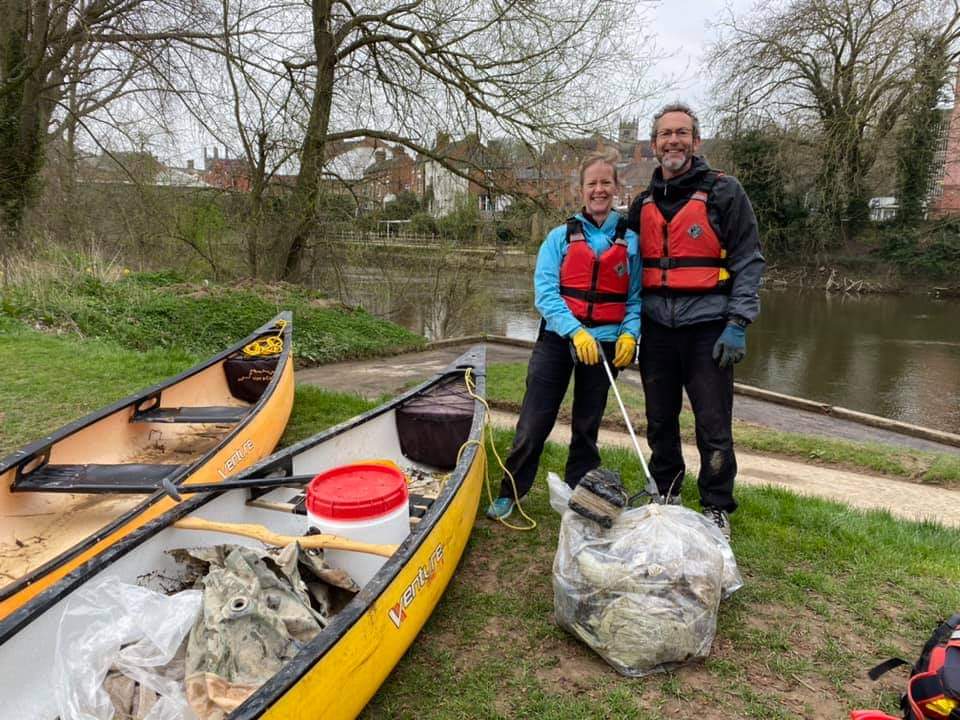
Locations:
(546, 280)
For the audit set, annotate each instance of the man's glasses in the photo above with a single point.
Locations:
(682, 133)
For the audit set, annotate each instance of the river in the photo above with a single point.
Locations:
(894, 356)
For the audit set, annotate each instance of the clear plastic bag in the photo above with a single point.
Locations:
(560, 493)
(645, 593)
(110, 624)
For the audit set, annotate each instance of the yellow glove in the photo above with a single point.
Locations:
(626, 350)
(588, 351)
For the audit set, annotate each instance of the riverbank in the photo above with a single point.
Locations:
(856, 279)
(144, 311)
(858, 273)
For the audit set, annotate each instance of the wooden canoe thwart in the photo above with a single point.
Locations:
(433, 433)
(67, 497)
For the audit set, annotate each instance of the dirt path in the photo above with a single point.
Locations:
(387, 376)
(868, 492)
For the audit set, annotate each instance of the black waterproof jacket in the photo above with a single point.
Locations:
(731, 216)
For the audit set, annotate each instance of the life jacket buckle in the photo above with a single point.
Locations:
(666, 263)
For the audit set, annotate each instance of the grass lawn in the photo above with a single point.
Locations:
(829, 591)
(506, 383)
(144, 311)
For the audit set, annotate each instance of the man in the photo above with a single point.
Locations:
(701, 271)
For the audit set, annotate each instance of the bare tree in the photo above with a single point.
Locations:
(64, 61)
(400, 72)
(842, 67)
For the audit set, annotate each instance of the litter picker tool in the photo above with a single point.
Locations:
(651, 487)
(600, 496)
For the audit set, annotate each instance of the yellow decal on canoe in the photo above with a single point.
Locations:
(233, 462)
(398, 613)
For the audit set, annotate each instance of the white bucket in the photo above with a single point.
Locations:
(366, 502)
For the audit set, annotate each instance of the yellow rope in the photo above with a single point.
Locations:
(488, 426)
(268, 345)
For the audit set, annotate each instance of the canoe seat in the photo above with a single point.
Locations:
(94, 478)
(214, 414)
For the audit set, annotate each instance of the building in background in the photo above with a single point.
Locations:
(944, 198)
(478, 169)
(391, 173)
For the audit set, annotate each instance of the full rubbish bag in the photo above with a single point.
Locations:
(645, 593)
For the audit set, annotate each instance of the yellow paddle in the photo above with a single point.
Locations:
(268, 537)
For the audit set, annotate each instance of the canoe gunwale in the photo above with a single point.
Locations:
(312, 653)
(176, 478)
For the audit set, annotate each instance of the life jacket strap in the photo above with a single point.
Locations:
(886, 666)
(593, 296)
(620, 234)
(666, 291)
(709, 180)
(669, 263)
(575, 231)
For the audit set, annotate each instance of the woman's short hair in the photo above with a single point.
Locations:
(609, 156)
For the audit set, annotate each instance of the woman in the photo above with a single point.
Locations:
(587, 287)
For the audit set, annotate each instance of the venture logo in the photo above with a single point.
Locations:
(233, 462)
(398, 613)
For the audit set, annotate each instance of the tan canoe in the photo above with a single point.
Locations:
(67, 497)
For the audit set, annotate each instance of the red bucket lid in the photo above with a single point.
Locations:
(352, 492)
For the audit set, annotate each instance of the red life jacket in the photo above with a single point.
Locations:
(684, 255)
(595, 287)
(933, 690)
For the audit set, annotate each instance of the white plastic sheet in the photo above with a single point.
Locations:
(130, 628)
(645, 593)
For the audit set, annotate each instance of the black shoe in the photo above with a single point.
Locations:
(718, 517)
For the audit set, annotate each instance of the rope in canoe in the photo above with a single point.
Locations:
(267, 345)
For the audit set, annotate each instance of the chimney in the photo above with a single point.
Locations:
(189, 164)
(216, 152)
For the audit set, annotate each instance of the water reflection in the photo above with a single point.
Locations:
(889, 355)
(893, 356)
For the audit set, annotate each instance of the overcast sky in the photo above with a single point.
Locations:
(684, 32)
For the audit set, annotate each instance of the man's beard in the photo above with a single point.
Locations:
(674, 162)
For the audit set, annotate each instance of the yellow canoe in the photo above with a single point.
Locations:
(335, 674)
(71, 495)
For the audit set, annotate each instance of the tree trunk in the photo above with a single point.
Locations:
(20, 131)
(312, 155)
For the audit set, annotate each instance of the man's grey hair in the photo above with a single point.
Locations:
(675, 107)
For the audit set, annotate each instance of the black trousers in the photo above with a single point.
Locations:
(672, 359)
(548, 375)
